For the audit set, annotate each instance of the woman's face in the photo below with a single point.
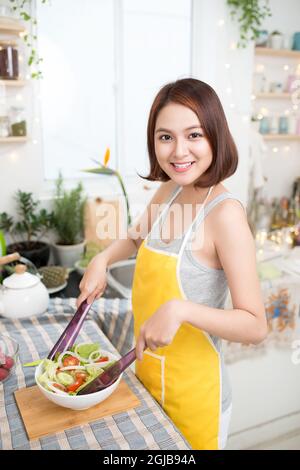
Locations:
(182, 150)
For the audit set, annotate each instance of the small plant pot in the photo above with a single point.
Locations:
(276, 41)
(67, 255)
(37, 252)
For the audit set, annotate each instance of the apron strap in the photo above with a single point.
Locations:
(200, 213)
(165, 208)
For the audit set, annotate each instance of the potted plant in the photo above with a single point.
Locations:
(68, 223)
(26, 232)
(276, 40)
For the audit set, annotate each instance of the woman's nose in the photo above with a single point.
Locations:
(181, 149)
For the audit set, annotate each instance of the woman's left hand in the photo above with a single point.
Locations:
(160, 329)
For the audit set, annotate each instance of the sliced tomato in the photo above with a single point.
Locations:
(60, 386)
(102, 359)
(81, 375)
(70, 361)
(73, 387)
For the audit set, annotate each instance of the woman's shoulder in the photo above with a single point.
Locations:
(227, 207)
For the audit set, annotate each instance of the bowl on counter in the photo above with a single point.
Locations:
(9, 353)
(79, 402)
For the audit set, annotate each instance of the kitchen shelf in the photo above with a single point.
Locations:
(277, 52)
(283, 137)
(10, 140)
(11, 26)
(279, 96)
(14, 83)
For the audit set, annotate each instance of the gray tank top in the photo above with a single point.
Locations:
(200, 284)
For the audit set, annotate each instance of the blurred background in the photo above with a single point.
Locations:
(77, 79)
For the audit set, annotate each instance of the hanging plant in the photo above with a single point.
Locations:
(250, 15)
(24, 8)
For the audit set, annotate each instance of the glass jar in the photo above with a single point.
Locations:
(9, 61)
(4, 126)
(17, 122)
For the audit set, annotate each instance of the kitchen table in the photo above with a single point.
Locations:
(145, 427)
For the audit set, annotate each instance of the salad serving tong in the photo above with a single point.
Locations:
(70, 333)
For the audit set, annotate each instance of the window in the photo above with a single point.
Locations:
(104, 61)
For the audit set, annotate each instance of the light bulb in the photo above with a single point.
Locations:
(286, 67)
(260, 68)
(19, 97)
(232, 105)
(253, 97)
(228, 90)
(221, 22)
(275, 149)
(34, 141)
(227, 66)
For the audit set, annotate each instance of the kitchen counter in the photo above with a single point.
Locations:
(145, 427)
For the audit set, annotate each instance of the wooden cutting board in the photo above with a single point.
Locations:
(42, 417)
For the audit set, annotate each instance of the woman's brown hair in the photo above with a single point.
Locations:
(203, 100)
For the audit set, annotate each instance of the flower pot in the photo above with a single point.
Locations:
(276, 41)
(67, 255)
(37, 252)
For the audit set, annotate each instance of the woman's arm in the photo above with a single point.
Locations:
(246, 321)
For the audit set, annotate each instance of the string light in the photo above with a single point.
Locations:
(260, 68)
(275, 149)
(13, 156)
(221, 22)
(286, 67)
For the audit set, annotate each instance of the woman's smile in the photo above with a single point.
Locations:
(182, 167)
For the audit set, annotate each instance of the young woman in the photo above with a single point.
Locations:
(181, 279)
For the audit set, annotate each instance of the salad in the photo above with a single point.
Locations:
(73, 369)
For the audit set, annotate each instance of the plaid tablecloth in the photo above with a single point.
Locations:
(145, 427)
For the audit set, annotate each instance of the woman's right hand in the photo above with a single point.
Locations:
(94, 280)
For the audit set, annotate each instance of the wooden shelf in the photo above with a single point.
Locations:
(275, 96)
(14, 83)
(10, 140)
(277, 52)
(11, 26)
(283, 137)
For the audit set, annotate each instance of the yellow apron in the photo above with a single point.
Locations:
(184, 377)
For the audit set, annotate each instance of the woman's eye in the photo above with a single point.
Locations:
(194, 135)
(165, 137)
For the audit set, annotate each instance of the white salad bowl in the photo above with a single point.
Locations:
(79, 402)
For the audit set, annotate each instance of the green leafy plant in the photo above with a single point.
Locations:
(33, 223)
(104, 170)
(68, 213)
(249, 14)
(23, 8)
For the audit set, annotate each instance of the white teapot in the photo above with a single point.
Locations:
(23, 295)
